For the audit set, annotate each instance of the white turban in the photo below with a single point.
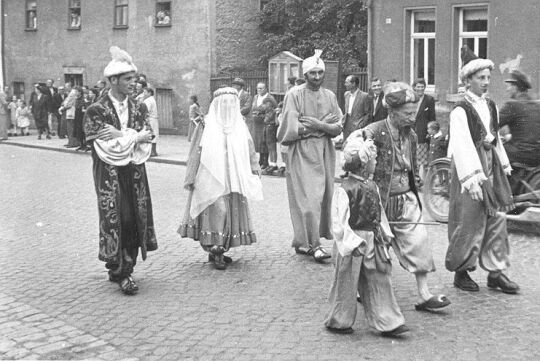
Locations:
(473, 66)
(356, 145)
(121, 63)
(313, 62)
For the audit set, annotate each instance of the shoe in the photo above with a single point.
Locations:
(344, 175)
(128, 286)
(15, 134)
(342, 331)
(504, 283)
(304, 250)
(226, 259)
(39, 137)
(396, 331)
(27, 133)
(219, 262)
(435, 302)
(320, 254)
(48, 136)
(53, 134)
(463, 281)
(279, 172)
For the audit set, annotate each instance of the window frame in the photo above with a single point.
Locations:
(70, 8)
(125, 7)
(158, 3)
(425, 36)
(476, 35)
(26, 15)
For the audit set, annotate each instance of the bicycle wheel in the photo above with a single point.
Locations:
(437, 189)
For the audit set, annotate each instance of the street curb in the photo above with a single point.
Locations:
(152, 159)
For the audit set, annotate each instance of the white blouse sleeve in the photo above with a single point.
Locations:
(463, 151)
(123, 150)
(346, 239)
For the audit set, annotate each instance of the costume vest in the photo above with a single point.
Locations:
(364, 203)
(476, 127)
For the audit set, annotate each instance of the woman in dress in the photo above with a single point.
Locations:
(195, 115)
(222, 175)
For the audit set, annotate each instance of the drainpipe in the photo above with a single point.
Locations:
(2, 35)
(369, 6)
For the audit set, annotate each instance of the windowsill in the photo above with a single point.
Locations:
(162, 25)
(79, 28)
(30, 29)
(120, 27)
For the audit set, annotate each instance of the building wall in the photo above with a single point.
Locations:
(237, 35)
(512, 30)
(176, 57)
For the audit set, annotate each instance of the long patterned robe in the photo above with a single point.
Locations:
(121, 190)
(311, 162)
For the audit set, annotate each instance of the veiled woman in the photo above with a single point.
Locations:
(222, 175)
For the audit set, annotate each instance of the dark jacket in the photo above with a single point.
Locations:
(359, 116)
(426, 114)
(378, 112)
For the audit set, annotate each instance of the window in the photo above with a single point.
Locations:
(423, 46)
(18, 89)
(31, 14)
(163, 13)
(74, 20)
(473, 31)
(120, 13)
(74, 79)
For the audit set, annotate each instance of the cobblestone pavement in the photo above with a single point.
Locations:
(56, 302)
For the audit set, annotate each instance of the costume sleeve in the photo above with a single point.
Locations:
(461, 148)
(501, 152)
(288, 129)
(346, 239)
(385, 226)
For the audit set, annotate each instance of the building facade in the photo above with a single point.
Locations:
(424, 38)
(176, 44)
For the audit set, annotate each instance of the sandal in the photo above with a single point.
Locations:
(435, 302)
(128, 286)
(304, 250)
(320, 254)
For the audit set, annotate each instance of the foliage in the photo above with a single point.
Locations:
(338, 27)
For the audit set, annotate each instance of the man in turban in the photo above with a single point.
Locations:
(117, 128)
(396, 173)
(479, 187)
(310, 119)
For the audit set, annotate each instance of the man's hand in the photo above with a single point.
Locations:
(108, 133)
(310, 122)
(356, 252)
(330, 119)
(476, 192)
(145, 136)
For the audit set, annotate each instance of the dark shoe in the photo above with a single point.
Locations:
(219, 262)
(39, 137)
(48, 136)
(226, 259)
(128, 286)
(304, 250)
(435, 302)
(504, 283)
(396, 331)
(319, 254)
(342, 331)
(279, 172)
(463, 281)
(27, 133)
(344, 175)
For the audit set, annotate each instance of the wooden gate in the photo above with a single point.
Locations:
(164, 107)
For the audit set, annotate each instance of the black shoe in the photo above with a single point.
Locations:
(226, 259)
(344, 175)
(463, 281)
(396, 331)
(219, 262)
(504, 283)
(342, 331)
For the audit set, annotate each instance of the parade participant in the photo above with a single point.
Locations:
(310, 119)
(361, 238)
(479, 187)
(396, 175)
(221, 176)
(522, 116)
(117, 129)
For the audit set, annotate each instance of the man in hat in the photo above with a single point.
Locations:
(310, 119)
(521, 114)
(396, 173)
(117, 128)
(243, 96)
(479, 186)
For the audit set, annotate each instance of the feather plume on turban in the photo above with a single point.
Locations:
(121, 63)
(313, 62)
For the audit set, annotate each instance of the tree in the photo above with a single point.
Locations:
(338, 27)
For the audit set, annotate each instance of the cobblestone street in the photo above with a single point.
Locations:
(57, 303)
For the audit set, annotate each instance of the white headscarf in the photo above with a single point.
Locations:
(313, 62)
(225, 158)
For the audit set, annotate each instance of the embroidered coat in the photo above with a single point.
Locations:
(107, 183)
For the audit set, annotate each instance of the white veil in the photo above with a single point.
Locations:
(225, 156)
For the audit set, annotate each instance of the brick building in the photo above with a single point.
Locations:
(177, 44)
(423, 38)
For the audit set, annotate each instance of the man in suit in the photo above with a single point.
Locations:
(376, 110)
(52, 117)
(356, 107)
(243, 96)
(426, 114)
